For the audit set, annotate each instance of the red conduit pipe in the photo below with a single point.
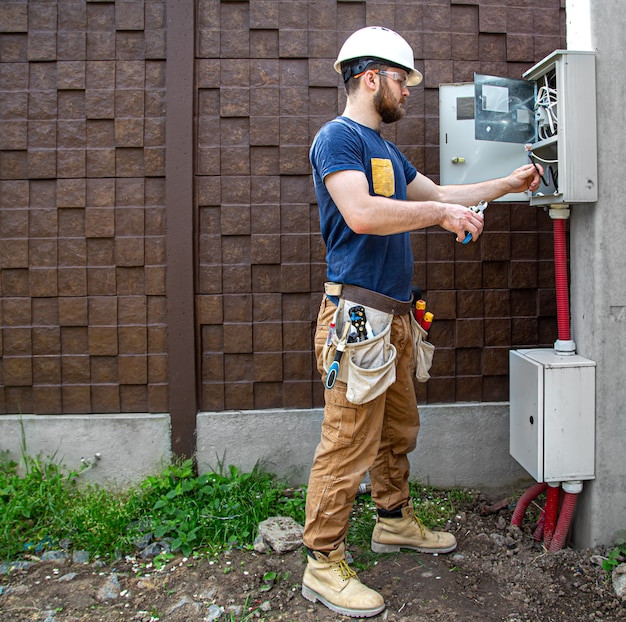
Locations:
(566, 516)
(555, 531)
(541, 525)
(552, 511)
(524, 501)
(562, 289)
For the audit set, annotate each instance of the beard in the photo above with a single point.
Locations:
(387, 107)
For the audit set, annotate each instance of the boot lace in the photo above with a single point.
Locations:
(421, 526)
(344, 571)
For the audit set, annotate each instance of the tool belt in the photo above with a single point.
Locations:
(369, 366)
(368, 298)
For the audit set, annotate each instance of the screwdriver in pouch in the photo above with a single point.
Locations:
(333, 370)
(479, 209)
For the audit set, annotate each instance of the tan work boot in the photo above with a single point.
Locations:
(392, 534)
(329, 579)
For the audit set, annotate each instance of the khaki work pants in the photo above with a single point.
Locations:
(375, 436)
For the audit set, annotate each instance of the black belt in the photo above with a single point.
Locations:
(368, 298)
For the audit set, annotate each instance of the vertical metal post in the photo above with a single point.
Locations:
(180, 224)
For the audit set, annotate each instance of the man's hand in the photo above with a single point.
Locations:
(527, 177)
(462, 220)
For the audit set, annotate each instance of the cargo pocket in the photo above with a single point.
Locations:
(424, 351)
(367, 367)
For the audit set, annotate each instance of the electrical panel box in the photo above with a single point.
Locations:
(566, 141)
(552, 417)
(548, 118)
(463, 159)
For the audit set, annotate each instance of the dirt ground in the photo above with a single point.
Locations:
(498, 573)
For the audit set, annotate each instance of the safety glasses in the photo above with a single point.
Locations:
(394, 75)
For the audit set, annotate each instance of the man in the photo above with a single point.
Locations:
(370, 197)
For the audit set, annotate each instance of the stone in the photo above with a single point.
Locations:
(618, 577)
(110, 590)
(281, 533)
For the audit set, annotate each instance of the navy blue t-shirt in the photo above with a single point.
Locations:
(382, 263)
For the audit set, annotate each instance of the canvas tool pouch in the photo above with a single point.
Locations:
(367, 367)
(424, 351)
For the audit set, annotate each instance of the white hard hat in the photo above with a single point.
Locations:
(377, 43)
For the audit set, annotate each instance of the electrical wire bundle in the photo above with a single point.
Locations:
(546, 111)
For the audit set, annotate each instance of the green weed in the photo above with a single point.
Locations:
(192, 514)
(617, 555)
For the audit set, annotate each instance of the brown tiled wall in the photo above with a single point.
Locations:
(265, 84)
(82, 206)
(82, 199)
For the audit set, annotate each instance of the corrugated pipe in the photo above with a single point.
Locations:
(564, 343)
(524, 501)
(571, 490)
(551, 511)
(541, 526)
(560, 273)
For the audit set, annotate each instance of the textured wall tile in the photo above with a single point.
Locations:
(76, 399)
(497, 331)
(520, 48)
(99, 103)
(132, 339)
(239, 395)
(239, 367)
(105, 399)
(443, 362)
(46, 340)
(493, 18)
(16, 342)
(17, 371)
(13, 17)
(129, 15)
(523, 274)
(295, 277)
(268, 367)
(129, 45)
(47, 370)
(468, 388)
(442, 390)
(293, 43)
(264, 14)
(134, 398)
(13, 135)
(524, 331)
(43, 283)
(104, 369)
(236, 278)
(265, 160)
(496, 275)
(469, 333)
(492, 47)
(14, 254)
(45, 312)
(468, 361)
(234, 160)
(73, 311)
(43, 253)
(158, 369)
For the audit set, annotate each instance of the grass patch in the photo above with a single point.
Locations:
(44, 509)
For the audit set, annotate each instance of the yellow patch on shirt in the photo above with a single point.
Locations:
(382, 177)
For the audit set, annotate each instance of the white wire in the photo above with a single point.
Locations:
(543, 159)
(546, 110)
